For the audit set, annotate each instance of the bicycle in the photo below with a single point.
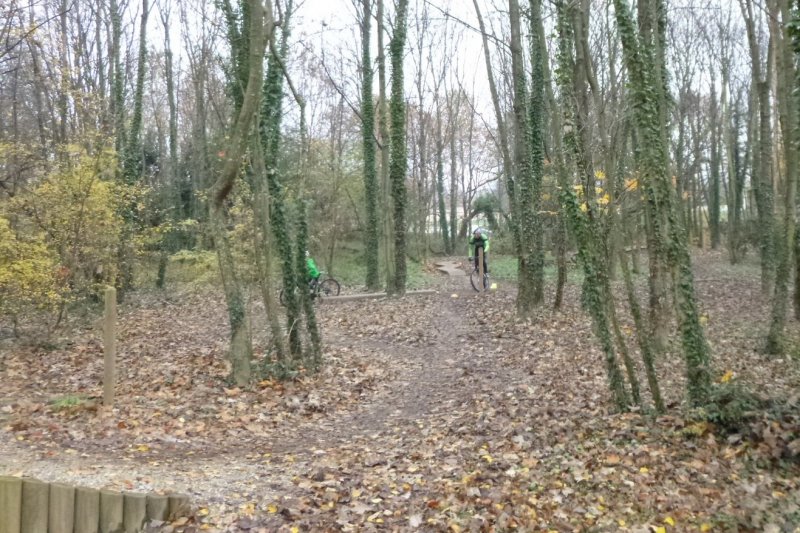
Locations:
(322, 289)
(473, 279)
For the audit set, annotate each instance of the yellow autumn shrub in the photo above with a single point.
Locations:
(77, 208)
(29, 273)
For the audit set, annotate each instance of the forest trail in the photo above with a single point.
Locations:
(434, 377)
(436, 368)
(432, 412)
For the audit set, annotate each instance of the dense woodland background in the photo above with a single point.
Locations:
(149, 143)
(636, 164)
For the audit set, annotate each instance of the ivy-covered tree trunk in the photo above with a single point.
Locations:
(368, 139)
(531, 185)
(645, 346)
(646, 92)
(117, 80)
(714, 171)
(529, 293)
(652, 26)
(132, 162)
(263, 242)
(270, 121)
(241, 348)
(595, 295)
(397, 164)
(788, 115)
(132, 159)
(313, 360)
(791, 18)
(385, 179)
(236, 24)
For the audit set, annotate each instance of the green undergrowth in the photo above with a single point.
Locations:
(198, 268)
(504, 268)
(735, 412)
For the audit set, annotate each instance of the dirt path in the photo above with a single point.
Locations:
(433, 413)
(433, 379)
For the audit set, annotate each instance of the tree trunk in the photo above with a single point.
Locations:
(397, 163)
(452, 117)
(270, 131)
(531, 185)
(263, 244)
(648, 102)
(241, 348)
(383, 129)
(787, 114)
(596, 297)
(645, 347)
(502, 130)
(440, 182)
(528, 155)
(314, 357)
(762, 157)
(368, 139)
(171, 208)
(714, 169)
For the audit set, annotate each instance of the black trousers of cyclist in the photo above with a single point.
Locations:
(485, 265)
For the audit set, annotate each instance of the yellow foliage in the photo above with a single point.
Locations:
(78, 209)
(28, 273)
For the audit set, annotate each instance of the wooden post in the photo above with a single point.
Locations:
(178, 506)
(10, 504)
(135, 506)
(62, 508)
(110, 344)
(157, 507)
(110, 511)
(87, 510)
(35, 495)
(480, 268)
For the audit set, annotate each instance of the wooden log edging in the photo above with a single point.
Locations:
(32, 506)
(373, 296)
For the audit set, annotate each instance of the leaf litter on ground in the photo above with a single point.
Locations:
(431, 413)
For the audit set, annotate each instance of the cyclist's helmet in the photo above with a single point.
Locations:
(308, 254)
(477, 232)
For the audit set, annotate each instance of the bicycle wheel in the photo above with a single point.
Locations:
(473, 280)
(329, 287)
(282, 297)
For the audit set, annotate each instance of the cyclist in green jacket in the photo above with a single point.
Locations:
(478, 240)
(313, 271)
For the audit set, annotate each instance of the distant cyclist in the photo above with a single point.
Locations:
(313, 272)
(479, 240)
